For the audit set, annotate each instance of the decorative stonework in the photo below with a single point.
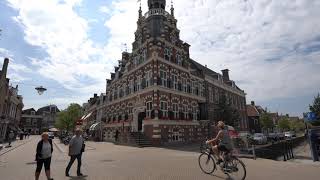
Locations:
(159, 78)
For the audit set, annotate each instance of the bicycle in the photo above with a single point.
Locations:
(231, 165)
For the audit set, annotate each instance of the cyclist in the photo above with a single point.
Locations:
(225, 141)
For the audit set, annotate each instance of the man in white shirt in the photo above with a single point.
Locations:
(75, 151)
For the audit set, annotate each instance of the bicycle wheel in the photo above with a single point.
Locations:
(236, 169)
(207, 163)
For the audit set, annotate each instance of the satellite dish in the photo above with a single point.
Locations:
(40, 90)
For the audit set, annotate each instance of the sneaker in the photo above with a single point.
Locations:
(67, 175)
(79, 174)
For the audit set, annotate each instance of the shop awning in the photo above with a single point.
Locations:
(94, 126)
(232, 132)
(53, 130)
(86, 116)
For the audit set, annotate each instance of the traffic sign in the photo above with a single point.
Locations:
(310, 116)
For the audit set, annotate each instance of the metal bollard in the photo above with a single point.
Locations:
(284, 151)
(291, 144)
(254, 152)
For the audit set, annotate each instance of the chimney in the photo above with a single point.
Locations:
(253, 103)
(5, 68)
(225, 74)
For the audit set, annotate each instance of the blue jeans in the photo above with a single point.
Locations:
(72, 159)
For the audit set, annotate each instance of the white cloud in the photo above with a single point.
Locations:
(56, 27)
(15, 70)
(104, 9)
(256, 40)
(264, 43)
(4, 53)
(243, 35)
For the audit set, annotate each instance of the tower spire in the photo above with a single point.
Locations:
(140, 10)
(172, 9)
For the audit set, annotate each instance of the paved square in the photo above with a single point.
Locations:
(105, 161)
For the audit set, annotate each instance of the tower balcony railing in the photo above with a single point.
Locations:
(155, 12)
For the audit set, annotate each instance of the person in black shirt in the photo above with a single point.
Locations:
(43, 156)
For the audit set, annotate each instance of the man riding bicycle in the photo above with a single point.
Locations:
(225, 142)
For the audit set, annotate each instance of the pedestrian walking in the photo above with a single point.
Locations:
(25, 135)
(21, 136)
(76, 148)
(10, 138)
(28, 135)
(43, 156)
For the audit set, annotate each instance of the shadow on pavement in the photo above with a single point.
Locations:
(31, 163)
(107, 160)
(78, 177)
(303, 157)
(183, 147)
(228, 178)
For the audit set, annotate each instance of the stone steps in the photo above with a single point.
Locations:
(140, 139)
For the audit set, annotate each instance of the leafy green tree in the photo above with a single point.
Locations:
(297, 125)
(284, 124)
(226, 113)
(266, 121)
(68, 117)
(315, 108)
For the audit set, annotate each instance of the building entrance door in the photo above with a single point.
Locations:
(141, 117)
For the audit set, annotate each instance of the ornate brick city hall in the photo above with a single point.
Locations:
(159, 92)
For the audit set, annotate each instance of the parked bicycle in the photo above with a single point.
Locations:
(231, 165)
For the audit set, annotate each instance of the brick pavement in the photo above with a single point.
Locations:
(15, 144)
(105, 161)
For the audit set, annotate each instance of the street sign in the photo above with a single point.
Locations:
(310, 116)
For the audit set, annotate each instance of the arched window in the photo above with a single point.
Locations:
(164, 108)
(167, 54)
(149, 108)
(175, 108)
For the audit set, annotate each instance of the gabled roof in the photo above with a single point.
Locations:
(28, 111)
(202, 68)
(260, 110)
(47, 109)
(252, 111)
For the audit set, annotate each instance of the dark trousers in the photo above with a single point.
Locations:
(45, 162)
(72, 159)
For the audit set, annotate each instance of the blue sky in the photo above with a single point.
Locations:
(272, 48)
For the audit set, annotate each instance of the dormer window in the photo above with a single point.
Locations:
(33, 112)
(179, 60)
(145, 55)
(149, 79)
(136, 61)
(167, 54)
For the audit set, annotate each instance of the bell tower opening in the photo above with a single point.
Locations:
(157, 4)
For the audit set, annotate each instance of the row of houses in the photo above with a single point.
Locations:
(11, 104)
(38, 121)
(255, 113)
